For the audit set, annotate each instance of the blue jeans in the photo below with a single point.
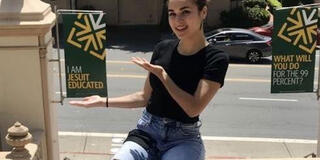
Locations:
(174, 141)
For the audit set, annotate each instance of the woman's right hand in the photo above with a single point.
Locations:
(89, 102)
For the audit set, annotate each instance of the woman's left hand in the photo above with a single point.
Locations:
(155, 69)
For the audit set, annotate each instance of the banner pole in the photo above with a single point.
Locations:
(66, 11)
(58, 50)
(318, 97)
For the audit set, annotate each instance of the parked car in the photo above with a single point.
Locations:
(241, 43)
(267, 29)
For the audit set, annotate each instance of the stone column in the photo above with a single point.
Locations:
(0, 141)
(25, 76)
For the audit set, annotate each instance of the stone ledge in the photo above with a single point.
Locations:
(26, 10)
(25, 17)
(15, 28)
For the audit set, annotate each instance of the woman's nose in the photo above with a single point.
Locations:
(179, 18)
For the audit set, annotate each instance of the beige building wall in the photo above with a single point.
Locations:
(110, 7)
(137, 12)
(25, 40)
(127, 12)
(141, 12)
(63, 4)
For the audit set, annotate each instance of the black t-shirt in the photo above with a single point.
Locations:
(186, 71)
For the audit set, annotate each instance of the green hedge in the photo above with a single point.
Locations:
(252, 13)
(258, 16)
(254, 3)
(273, 5)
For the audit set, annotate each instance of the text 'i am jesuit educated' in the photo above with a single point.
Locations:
(78, 80)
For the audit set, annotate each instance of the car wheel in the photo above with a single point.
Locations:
(253, 56)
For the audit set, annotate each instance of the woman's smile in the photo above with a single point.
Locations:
(181, 28)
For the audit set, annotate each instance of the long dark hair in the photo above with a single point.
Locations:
(199, 3)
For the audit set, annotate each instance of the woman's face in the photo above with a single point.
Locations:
(184, 18)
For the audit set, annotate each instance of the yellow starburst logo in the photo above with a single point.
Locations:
(89, 35)
(300, 29)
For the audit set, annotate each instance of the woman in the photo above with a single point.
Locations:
(184, 75)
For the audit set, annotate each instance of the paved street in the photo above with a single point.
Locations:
(244, 107)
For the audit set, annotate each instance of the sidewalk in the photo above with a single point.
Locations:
(102, 146)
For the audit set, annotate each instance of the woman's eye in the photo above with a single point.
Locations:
(172, 14)
(185, 12)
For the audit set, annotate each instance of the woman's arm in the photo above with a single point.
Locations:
(135, 100)
(193, 105)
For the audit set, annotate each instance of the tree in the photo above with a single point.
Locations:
(251, 13)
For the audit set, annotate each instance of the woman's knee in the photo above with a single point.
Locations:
(188, 150)
(139, 145)
(131, 151)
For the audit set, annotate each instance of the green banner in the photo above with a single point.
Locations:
(85, 54)
(294, 44)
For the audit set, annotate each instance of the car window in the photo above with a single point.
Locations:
(222, 38)
(241, 37)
